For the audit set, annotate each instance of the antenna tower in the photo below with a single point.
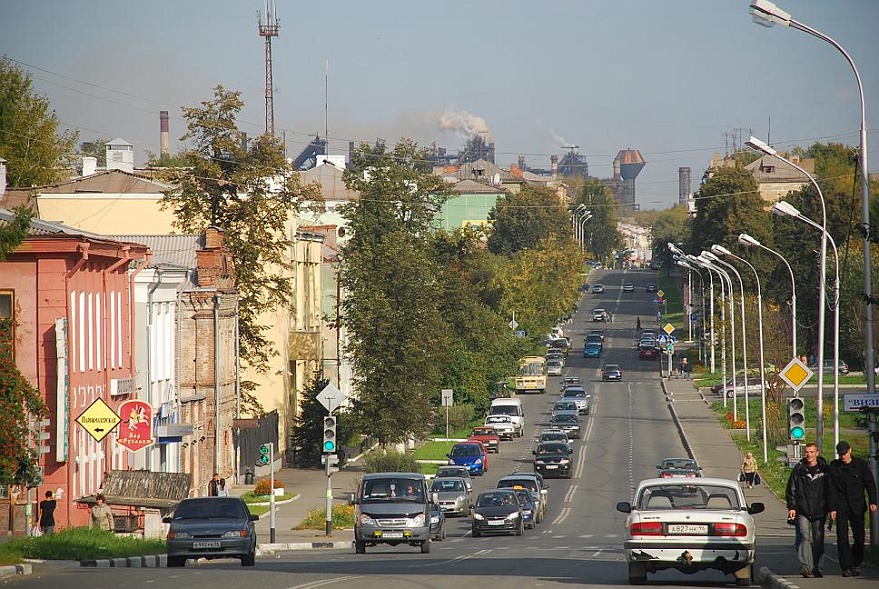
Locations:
(269, 29)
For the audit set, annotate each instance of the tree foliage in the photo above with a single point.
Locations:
(519, 221)
(670, 226)
(308, 425)
(35, 150)
(600, 234)
(249, 192)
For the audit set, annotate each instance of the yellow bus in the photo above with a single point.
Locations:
(532, 375)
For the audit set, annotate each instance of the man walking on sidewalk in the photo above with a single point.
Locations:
(808, 497)
(851, 479)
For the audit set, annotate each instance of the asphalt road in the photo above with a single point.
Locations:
(627, 433)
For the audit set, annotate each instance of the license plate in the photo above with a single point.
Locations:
(205, 544)
(688, 529)
(499, 522)
(548, 466)
(392, 535)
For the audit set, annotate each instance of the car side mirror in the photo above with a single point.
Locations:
(534, 452)
(254, 517)
(166, 520)
(570, 450)
(624, 506)
(351, 499)
(472, 506)
(756, 508)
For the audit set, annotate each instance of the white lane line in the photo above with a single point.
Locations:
(323, 582)
(631, 446)
(581, 463)
(562, 516)
(569, 496)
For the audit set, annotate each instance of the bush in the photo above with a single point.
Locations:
(460, 417)
(391, 461)
(343, 518)
(78, 543)
(263, 487)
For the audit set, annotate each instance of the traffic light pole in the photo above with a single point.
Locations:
(329, 529)
(330, 447)
(272, 492)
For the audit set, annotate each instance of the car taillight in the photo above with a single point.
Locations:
(665, 475)
(646, 529)
(727, 529)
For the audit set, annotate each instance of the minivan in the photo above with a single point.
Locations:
(513, 408)
(392, 508)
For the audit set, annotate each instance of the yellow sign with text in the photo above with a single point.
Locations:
(98, 419)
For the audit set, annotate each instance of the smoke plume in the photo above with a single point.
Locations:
(464, 124)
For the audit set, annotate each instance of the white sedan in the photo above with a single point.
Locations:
(690, 525)
(506, 429)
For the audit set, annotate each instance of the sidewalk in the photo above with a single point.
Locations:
(711, 445)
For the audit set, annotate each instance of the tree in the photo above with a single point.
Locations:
(389, 276)
(600, 234)
(250, 192)
(36, 153)
(519, 221)
(96, 149)
(669, 226)
(308, 425)
(20, 401)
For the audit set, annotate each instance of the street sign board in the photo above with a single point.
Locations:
(860, 401)
(98, 419)
(660, 294)
(330, 397)
(662, 339)
(694, 317)
(447, 398)
(668, 328)
(513, 324)
(796, 374)
(672, 339)
(655, 300)
(136, 431)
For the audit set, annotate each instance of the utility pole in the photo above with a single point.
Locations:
(268, 29)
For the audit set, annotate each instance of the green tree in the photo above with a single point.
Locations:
(20, 401)
(250, 192)
(600, 233)
(308, 425)
(519, 221)
(36, 152)
(389, 275)
(96, 149)
(669, 226)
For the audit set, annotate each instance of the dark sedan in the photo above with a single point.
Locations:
(553, 459)
(498, 511)
(612, 372)
(570, 424)
(211, 527)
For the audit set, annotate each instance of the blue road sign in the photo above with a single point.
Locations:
(672, 339)
(694, 317)
(655, 300)
(662, 339)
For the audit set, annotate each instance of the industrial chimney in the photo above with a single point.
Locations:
(554, 166)
(164, 134)
(683, 185)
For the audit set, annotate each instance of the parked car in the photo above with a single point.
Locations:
(753, 387)
(211, 527)
(703, 524)
(497, 511)
(612, 372)
(828, 366)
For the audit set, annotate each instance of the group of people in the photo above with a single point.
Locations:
(217, 487)
(101, 516)
(817, 489)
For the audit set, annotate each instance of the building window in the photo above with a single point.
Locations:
(7, 322)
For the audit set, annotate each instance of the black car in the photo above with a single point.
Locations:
(553, 459)
(570, 424)
(211, 527)
(498, 511)
(651, 287)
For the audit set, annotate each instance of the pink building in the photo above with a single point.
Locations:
(71, 294)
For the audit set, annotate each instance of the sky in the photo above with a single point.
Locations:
(678, 80)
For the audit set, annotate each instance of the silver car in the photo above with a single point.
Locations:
(452, 495)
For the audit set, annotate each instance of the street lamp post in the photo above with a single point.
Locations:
(726, 280)
(763, 428)
(764, 148)
(747, 240)
(768, 14)
(713, 254)
(785, 208)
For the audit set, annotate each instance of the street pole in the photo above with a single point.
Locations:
(329, 498)
(272, 492)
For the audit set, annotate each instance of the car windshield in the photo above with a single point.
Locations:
(524, 496)
(465, 450)
(504, 410)
(452, 472)
(446, 485)
(572, 392)
(688, 496)
(561, 436)
(552, 448)
(211, 508)
(564, 406)
(496, 499)
(392, 488)
(565, 418)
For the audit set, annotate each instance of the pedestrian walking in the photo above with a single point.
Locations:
(851, 480)
(749, 469)
(46, 515)
(808, 496)
(101, 516)
(685, 368)
(638, 324)
(214, 485)
(222, 491)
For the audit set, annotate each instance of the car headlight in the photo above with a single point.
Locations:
(514, 515)
(365, 520)
(434, 520)
(235, 534)
(478, 461)
(478, 516)
(527, 512)
(418, 520)
(539, 462)
(564, 461)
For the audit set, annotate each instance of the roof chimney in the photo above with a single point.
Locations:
(164, 134)
(89, 165)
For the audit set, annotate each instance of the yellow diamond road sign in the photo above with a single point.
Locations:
(796, 374)
(660, 294)
(98, 419)
(668, 328)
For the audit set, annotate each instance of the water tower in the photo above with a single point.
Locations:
(626, 166)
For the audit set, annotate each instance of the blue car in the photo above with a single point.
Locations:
(469, 455)
(592, 351)
(529, 509)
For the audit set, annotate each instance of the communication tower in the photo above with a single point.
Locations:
(269, 29)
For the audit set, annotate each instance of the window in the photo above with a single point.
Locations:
(7, 322)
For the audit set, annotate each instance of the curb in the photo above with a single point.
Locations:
(13, 570)
(147, 561)
(674, 415)
(290, 546)
(770, 580)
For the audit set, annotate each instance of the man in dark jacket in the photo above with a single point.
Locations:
(851, 478)
(808, 502)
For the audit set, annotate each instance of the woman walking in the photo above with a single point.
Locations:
(749, 468)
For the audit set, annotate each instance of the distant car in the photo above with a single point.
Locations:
(648, 352)
(599, 314)
(628, 287)
(592, 351)
(651, 287)
(452, 495)
(655, 265)
(685, 463)
(570, 380)
(671, 473)
(598, 289)
(488, 436)
(533, 482)
(453, 471)
(599, 333)
(554, 367)
(553, 435)
(612, 372)
(701, 525)
(592, 338)
(828, 367)
(563, 405)
(553, 459)
(584, 287)
(570, 424)
(753, 387)
(211, 527)
(498, 511)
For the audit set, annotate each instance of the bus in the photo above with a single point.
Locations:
(532, 375)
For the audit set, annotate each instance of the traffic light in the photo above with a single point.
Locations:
(329, 446)
(796, 418)
(264, 451)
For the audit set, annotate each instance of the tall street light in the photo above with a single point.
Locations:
(749, 241)
(726, 252)
(762, 147)
(785, 208)
(710, 315)
(726, 280)
(768, 14)
(715, 251)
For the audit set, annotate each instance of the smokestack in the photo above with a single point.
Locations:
(164, 134)
(683, 185)
(521, 162)
(554, 166)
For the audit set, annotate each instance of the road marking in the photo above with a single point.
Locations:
(569, 496)
(581, 463)
(563, 514)
(631, 446)
(323, 582)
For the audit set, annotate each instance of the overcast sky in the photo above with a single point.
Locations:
(675, 80)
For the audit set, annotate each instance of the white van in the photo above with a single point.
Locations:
(513, 408)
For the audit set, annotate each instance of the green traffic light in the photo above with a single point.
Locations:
(797, 433)
(329, 446)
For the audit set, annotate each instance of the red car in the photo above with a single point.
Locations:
(647, 353)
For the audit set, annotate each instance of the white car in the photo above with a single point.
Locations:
(554, 367)
(690, 525)
(504, 425)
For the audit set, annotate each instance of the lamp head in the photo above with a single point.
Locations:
(758, 145)
(784, 208)
(675, 249)
(708, 256)
(720, 250)
(767, 14)
(747, 240)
